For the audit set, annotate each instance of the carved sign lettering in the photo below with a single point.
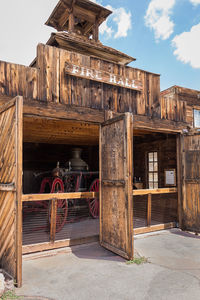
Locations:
(102, 76)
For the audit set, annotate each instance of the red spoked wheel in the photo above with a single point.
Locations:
(46, 183)
(45, 188)
(62, 207)
(94, 202)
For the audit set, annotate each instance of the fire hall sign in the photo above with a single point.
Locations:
(102, 76)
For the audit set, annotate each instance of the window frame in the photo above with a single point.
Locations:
(155, 183)
(195, 109)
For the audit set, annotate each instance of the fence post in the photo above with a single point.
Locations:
(53, 217)
(149, 210)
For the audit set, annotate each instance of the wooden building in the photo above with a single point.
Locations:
(80, 93)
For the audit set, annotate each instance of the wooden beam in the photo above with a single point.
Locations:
(58, 244)
(154, 228)
(158, 125)
(57, 196)
(71, 22)
(154, 191)
(60, 111)
(6, 106)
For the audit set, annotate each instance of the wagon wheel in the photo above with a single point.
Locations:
(94, 202)
(61, 217)
(45, 188)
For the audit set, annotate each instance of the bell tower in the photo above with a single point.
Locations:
(77, 23)
(78, 17)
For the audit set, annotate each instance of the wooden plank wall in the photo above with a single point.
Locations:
(66, 89)
(18, 80)
(48, 82)
(183, 100)
(173, 109)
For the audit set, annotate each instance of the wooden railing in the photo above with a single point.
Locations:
(149, 193)
(54, 197)
(57, 196)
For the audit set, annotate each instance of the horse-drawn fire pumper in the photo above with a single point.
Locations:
(75, 177)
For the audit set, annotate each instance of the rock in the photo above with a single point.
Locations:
(2, 284)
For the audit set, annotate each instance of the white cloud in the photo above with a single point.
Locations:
(123, 21)
(195, 2)
(187, 46)
(105, 29)
(158, 18)
(121, 18)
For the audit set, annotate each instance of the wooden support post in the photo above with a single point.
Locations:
(53, 220)
(179, 178)
(71, 22)
(149, 210)
(96, 32)
(18, 174)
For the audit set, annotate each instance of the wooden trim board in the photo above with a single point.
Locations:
(58, 244)
(57, 196)
(154, 191)
(154, 228)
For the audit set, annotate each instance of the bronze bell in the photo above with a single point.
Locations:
(76, 163)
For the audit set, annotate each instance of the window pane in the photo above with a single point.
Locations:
(155, 177)
(155, 156)
(150, 156)
(196, 118)
(156, 167)
(151, 185)
(155, 185)
(151, 167)
(151, 177)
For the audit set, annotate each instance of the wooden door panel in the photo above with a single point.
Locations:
(191, 182)
(10, 187)
(116, 200)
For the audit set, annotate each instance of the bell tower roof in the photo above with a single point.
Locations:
(81, 17)
(77, 23)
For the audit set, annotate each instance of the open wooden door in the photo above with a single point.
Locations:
(116, 191)
(190, 149)
(11, 188)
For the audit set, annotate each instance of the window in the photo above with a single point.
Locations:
(153, 170)
(196, 118)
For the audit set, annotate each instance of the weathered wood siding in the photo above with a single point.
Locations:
(11, 187)
(18, 80)
(49, 82)
(191, 182)
(116, 205)
(183, 99)
(173, 109)
(60, 87)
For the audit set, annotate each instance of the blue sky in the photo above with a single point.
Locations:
(163, 35)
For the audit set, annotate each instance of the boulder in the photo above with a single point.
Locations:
(2, 284)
